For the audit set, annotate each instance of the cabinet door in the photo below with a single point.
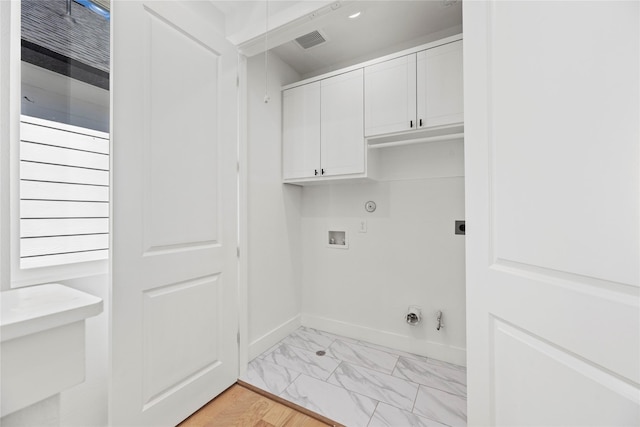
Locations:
(390, 96)
(301, 131)
(342, 121)
(440, 100)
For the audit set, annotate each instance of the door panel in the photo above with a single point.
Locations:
(524, 397)
(390, 96)
(560, 118)
(439, 85)
(552, 202)
(342, 138)
(174, 219)
(183, 140)
(164, 333)
(301, 131)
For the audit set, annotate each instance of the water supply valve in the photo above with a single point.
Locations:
(413, 316)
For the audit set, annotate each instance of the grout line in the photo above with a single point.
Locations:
(373, 413)
(409, 382)
(395, 366)
(415, 399)
(378, 368)
(290, 384)
(332, 372)
(444, 391)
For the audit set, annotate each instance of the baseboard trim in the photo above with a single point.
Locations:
(435, 350)
(272, 337)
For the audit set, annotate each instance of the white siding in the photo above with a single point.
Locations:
(64, 194)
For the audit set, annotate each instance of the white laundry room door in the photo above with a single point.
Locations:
(174, 313)
(552, 202)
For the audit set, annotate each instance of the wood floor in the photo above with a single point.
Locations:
(242, 405)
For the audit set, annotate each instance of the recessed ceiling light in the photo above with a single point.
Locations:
(355, 15)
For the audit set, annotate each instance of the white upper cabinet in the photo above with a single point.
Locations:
(342, 114)
(407, 97)
(301, 131)
(390, 96)
(419, 90)
(322, 133)
(439, 85)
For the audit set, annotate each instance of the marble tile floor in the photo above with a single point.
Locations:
(360, 384)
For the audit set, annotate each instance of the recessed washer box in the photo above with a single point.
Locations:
(338, 239)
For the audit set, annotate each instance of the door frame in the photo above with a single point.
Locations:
(10, 77)
(243, 218)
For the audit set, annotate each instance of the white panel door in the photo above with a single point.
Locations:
(174, 220)
(301, 131)
(390, 96)
(553, 210)
(342, 139)
(439, 85)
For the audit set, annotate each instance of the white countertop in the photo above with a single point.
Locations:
(37, 308)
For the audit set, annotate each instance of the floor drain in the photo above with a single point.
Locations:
(320, 353)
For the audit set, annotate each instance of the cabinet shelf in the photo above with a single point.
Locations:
(435, 134)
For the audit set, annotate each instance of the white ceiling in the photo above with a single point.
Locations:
(385, 26)
(382, 28)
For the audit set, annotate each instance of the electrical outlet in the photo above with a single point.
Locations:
(363, 226)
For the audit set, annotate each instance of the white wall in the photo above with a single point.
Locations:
(274, 241)
(408, 256)
(86, 403)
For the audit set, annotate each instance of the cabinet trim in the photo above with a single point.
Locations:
(434, 134)
(389, 57)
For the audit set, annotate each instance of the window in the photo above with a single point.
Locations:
(63, 215)
(64, 194)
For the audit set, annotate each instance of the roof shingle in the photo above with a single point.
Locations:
(86, 40)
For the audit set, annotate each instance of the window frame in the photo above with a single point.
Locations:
(11, 275)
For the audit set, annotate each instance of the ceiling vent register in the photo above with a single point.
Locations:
(310, 40)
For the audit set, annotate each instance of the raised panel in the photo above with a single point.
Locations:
(180, 342)
(390, 96)
(565, 132)
(572, 391)
(439, 85)
(342, 139)
(181, 162)
(301, 131)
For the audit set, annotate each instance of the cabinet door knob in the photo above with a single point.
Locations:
(420, 122)
(411, 123)
(315, 171)
(322, 171)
